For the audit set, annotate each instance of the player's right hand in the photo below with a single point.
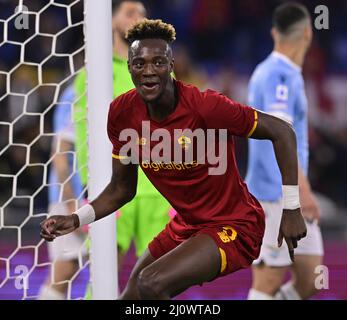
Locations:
(292, 229)
(309, 206)
(56, 226)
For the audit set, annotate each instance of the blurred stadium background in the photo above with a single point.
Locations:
(219, 44)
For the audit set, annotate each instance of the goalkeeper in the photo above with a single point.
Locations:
(145, 216)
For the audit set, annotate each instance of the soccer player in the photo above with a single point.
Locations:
(64, 181)
(148, 213)
(277, 87)
(219, 225)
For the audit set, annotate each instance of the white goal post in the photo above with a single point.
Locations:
(98, 36)
(41, 53)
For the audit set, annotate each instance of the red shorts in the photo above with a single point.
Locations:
(238, 246)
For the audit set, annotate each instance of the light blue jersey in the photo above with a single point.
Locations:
(276, 87)
(63, 128)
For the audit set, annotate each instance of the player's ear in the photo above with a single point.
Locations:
(308, 33)
(128, 63)
(114, 21)
(274, 33)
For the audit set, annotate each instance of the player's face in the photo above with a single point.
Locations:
(150, 65)
(127, 14)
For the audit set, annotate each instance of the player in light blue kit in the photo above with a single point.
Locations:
(64, 188)
(277, 87)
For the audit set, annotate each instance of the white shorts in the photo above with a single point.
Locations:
(67, 247)
(273, 256)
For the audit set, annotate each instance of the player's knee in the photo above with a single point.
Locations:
(129, 294)
(309, 292)
(269, 288)
(65, 270)
(149, 284)
(267, 280)
(306, 288)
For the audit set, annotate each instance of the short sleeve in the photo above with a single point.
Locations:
(114, 129)
(220, 112)
(280, 96)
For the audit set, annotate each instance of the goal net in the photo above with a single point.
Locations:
(42, 49)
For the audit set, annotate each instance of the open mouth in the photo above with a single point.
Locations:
(150, 85)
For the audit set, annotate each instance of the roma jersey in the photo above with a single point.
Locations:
(201, 194)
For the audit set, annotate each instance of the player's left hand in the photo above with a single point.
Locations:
(309, 206)
(292, 229)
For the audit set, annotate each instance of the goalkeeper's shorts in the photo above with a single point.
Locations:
(141, 220)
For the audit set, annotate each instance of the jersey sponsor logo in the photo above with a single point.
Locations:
(156, 166)
(282, 92)
(228, 234)
(161, 145)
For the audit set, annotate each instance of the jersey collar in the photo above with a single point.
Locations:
(284, 58)
(118, 59)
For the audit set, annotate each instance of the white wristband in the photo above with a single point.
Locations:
(86, 214)
(291, 199)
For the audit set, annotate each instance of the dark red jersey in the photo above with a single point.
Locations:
(200, 197)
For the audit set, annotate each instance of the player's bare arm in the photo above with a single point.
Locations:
(120, 190)
(292, 227)
(309, 205)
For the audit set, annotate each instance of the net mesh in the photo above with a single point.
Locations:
(41, 51)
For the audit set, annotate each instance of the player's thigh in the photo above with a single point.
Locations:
(151, 218)
(194, 261)
(268, 279)
(304, 274)
(304, 266)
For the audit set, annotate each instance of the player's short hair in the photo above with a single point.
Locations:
(287, 15)
(151, 29)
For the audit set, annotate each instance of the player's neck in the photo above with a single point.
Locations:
(294, 54)
(120, 47)
(165, 105)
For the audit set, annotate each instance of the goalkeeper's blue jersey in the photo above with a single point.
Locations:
(276, 87)
(64, 129)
